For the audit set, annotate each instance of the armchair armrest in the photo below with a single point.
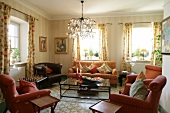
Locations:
(33, 95)
(131, 78)
(147, 81)
(131, 101)
(40, 70)
(70, 70)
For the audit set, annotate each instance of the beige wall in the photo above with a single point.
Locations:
(58, 28)
(42, 28)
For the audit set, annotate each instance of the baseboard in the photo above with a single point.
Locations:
(2, 107)
(161, 109)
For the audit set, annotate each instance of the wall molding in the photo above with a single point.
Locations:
(36, 10)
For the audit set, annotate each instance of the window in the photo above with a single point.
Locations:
(142, 42)
(89, 47)
(18, 39)
(14, 42)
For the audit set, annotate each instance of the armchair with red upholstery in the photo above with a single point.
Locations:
(150, 73)
(16, 102)
(135, 105)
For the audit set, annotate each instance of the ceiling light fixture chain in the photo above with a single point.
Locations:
(81, 26)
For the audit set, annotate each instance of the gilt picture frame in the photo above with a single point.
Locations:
(61, 45)
(43, 44)
(165, 36)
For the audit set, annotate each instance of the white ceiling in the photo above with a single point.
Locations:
(54, 9)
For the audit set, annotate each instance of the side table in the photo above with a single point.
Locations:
(105, 107)
(45, 102)
(123, 75)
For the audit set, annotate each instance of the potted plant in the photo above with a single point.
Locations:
(91, 53)
(15, 55)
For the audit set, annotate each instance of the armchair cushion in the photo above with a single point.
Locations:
(27, 87)
(138, 90)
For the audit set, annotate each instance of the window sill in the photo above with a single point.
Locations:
(141, 61)
(18, 64)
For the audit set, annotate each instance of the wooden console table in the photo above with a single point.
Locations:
(45, 102)
(105, 107)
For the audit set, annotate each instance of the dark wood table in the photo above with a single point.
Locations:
(45, 102)
(105, 107)
(123, 75)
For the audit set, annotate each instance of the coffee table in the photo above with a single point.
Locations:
(45, 102)
(71, 88)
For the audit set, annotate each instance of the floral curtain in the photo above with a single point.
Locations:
(4, 42)
(156, 43)
(104, 54)
(75, 49)
(31, 46)
(126, 47)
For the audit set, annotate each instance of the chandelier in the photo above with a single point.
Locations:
(81, 26)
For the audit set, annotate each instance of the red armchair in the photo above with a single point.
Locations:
(151, 73)
(15, 102)
(134, 105)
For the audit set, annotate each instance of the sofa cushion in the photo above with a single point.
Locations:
(27, 87)
(138, 90)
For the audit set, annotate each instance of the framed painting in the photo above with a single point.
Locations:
(43, 44)
(165, 36)
(61, 45)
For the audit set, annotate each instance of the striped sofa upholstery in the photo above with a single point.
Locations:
(112, 77)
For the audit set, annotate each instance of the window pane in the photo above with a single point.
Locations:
(89, 47)
(14, 35)
(142, 43)
(13, 30)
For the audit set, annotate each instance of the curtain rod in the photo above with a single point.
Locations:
(137, 22)
(23, 13)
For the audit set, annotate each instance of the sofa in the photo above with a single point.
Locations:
(50, 70)
(112, 76)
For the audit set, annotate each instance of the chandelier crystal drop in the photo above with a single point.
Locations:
(81, 26)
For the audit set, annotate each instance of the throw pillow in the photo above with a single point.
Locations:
(94, 69)
(108, 67)
(27, 87)
(140, 76)
(138, 90)
(48, 69)
(104, 68)
(85, 69)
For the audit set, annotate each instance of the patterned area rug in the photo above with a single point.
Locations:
(74, 105)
